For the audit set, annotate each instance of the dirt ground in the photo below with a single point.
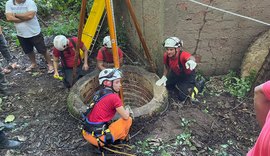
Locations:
(218, 125)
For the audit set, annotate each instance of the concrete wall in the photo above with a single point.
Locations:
(219, 38)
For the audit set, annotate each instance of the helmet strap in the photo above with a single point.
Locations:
(109, 84)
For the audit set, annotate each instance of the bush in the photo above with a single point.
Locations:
(63, 26)
(236, 86)
(47, 7)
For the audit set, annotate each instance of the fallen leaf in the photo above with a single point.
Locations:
(35, 74)
(9, 118)
(21, 138)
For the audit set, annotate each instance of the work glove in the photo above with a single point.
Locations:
(162, 81)
(190, 64)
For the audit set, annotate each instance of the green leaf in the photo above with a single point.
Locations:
(9, 118)
(35, 74)
(224, 146)
(193, 148)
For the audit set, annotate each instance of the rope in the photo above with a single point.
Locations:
(121, 146)
(118, 152)
(232, 13)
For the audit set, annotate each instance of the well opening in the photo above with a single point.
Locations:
(139, 91)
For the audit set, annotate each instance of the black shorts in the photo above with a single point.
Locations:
(28, 44)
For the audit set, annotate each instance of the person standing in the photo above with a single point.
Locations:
(23, 14)
(178, 73)
(6, 53)
(3, 84)
(65, 49)
(262, 110)
(105, 55)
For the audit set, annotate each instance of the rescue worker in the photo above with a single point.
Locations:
(65, 49)
(262, 110)
(97, 129)
(105, 56)
(178, 74)
(4, 142)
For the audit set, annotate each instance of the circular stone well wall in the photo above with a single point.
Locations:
(139, 91)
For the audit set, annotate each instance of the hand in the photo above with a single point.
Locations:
(127, 108)
(85, 67)
(190, 64)
(162, 81)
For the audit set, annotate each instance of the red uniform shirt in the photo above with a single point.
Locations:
(173, 62)
(69, 53)
(262, 145)
(105, 109)
(108, 55)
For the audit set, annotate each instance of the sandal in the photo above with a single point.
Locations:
(30, 68)
(6, 71)
(14, 65)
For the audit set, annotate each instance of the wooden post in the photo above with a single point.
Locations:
(111, 24)
(134, 19)
(82, 15)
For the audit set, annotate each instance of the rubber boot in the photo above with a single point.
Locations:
(6, 126)
(8, 144)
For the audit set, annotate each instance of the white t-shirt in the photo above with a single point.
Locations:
(28, 28)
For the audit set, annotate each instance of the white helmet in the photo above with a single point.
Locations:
(179, 41)
(107, 42)
(173, 42)
(60, 42)
(109, 74)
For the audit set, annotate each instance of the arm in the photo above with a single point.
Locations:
(85, 52)
(121, 61)
(261, 105)
(26, 16)
(120, 51)
(123, 113)
(165, 70)
(11, 18)
(55, 65)
(191, 58)
(100, 65)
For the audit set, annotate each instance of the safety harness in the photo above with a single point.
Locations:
(98, 129)
(64, 63)
(179, 62)
(105, 59)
